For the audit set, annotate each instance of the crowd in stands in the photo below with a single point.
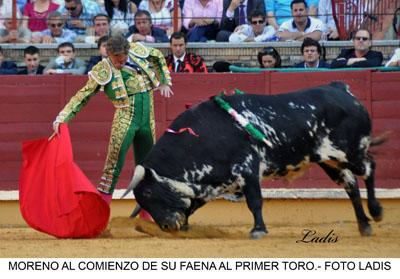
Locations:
(65, 22)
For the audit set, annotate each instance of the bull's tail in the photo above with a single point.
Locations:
(137, 177)
(378, 140)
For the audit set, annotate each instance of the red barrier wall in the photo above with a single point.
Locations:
(28, 105)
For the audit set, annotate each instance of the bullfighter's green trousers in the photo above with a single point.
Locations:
(133, 125)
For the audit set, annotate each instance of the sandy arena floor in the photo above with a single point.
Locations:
(220, 229)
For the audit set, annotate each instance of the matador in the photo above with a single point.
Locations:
(128, 77)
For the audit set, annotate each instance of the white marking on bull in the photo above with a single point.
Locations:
(349, 180)
(268, 130)
(175, 185)
(327, 151)
(198, 174)
(364, 143)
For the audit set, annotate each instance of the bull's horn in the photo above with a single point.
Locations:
(137, 177)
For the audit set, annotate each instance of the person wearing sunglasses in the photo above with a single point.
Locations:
(256, 31)
(55, 32)
(361, 55)
(235, 13)
(79, 14)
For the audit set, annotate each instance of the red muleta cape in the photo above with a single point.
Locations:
(55, 196)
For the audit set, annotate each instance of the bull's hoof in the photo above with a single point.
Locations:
(257, 234)
(365, 229)
(185, 227)
(376, 212)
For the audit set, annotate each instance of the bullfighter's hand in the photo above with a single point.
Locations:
(165, 90)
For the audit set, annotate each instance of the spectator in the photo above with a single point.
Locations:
(279, 11)
(269, 58)
(65, 63)
(182, 61)
(361, 56)
(162, 14)
(32, 62)
(101, 27)
(102, 48)
(395, 60)
(144, 31)
(311, 51)
(301, 26)
(6, 67)
(121, 13)
(56, 33)
(330, 31)
(5, 10)
(35, 14)
(79, 14)
(235, 13)
(10, 35)
(202, 19)
(255, 31)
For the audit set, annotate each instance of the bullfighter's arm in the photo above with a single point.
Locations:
(76, 103)
(160, 66)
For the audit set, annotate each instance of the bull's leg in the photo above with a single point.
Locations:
(252, 192)
(374, 207)
(194, 205)
(347, 179)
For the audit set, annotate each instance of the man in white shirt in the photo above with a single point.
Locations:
(301, 26)
(255, 31)
(235, 13)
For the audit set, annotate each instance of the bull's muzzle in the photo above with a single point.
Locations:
(172, 223)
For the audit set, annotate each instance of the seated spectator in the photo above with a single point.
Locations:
(395, 60)
(35, 14)
(79, 14)
(301, 26)
(311, 51)
(279, 11)
(7, 67)
(202, 19)
(5, 10)
(101, 27)
(121, 13)
(10, 35)
(269, 58)
(330, 31)
(162, 14)
(255, 31)
(102, 49)
(66, 62)
(56, 33)
(361, 56)
(235, 13)
(144, 31)
(181, 61)
(32, 62)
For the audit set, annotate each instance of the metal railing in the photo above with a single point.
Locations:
(351, 15)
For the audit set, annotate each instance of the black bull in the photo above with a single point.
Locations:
(326, 125)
